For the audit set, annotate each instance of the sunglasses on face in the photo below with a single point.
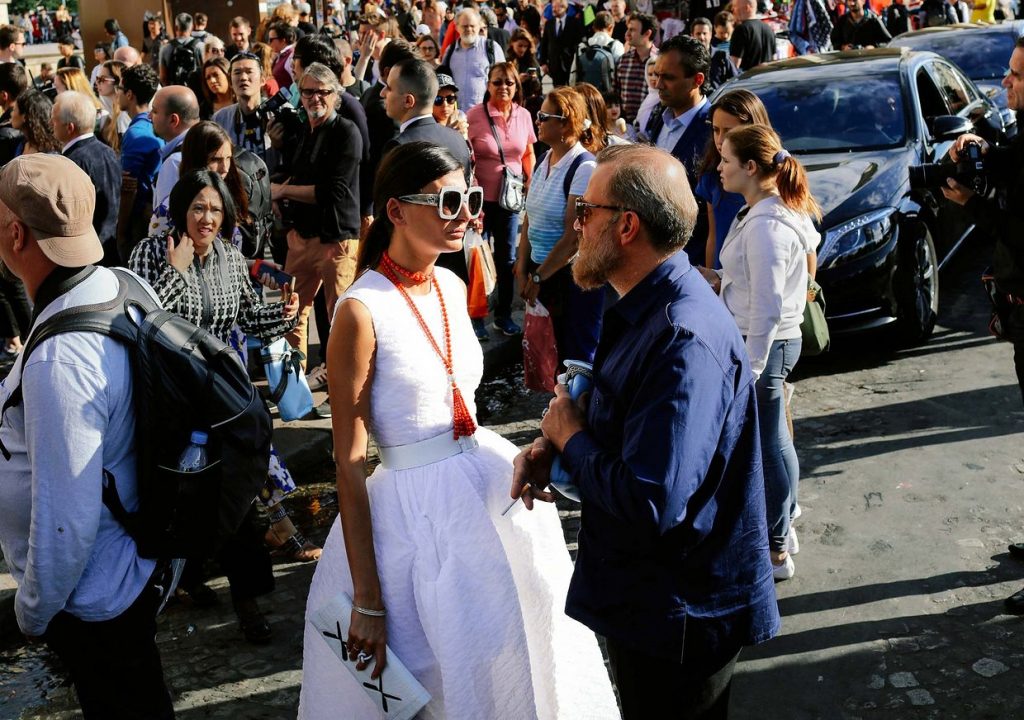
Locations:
(544, 117)
(506, 83)
(442, 99)
(310, 93)
(584, 210)
(449, 201)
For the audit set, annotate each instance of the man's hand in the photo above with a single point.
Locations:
(956, 192)
(275, 131)
(958, 146)
(564, 418)
(277, 191)
(533, 467)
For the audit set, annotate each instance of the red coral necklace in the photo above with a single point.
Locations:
(463, 421)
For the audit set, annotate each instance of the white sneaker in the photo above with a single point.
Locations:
(792, 541)
(317, 377)
(785, 570)
(797, 512)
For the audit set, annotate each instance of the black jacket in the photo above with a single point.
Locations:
(382, 130)
(1003, 219)
(103, 167)
(558, 51)
(331, 156)
(869, 31)
(10, 139)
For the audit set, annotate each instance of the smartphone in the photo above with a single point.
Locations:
(262, 269)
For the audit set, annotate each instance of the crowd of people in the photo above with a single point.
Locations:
(671, 240)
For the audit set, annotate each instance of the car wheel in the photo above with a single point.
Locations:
(916, 286)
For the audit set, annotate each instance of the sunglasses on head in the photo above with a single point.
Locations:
(544, 117)
(442, 99)
(449, 201)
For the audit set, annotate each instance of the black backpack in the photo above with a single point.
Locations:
(595, 64)
(184, 379)
(185, 61)
(256, 182)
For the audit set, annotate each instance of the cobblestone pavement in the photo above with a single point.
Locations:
(913, 473)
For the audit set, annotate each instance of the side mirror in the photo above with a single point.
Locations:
(949, 127)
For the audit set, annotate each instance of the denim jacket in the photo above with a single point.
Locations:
(673, 544)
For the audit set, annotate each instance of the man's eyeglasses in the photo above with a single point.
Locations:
(506, 83)
(449, 99)
(310, 93)
(449, 201)
(544, 117)
(105, 78)
(584, 209)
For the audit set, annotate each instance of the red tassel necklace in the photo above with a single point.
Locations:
(463, 421)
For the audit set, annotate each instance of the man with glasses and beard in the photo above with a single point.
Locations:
(672, 567)
(320, 201)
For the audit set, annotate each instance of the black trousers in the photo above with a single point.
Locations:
(1018, 365)
(243, 558)
(650, 687)
(114, 664)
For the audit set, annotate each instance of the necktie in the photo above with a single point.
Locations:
(558, 27)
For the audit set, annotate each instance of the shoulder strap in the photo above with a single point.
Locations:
(448, 55)
(571, 172)
(494, 131)
(489, 49)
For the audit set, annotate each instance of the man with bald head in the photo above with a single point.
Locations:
(753, 41)
(174, 110)
(673, 564)
(128, 55)
(470, 57)
(73, 119)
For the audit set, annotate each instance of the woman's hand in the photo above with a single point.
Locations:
(712, 277)
(180, 256)
(367, 639)
(530, 291)
(291, 305)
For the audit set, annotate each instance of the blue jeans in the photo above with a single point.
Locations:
(778, 455)
(503, 228)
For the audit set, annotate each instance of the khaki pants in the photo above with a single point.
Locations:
(313, 264)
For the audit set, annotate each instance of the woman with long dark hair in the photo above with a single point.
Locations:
(733, 109)
(31, 114)
(217, 93)
(764, 285)
(199, 276)
(434, 569)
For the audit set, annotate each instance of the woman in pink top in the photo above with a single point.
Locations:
(501, 117)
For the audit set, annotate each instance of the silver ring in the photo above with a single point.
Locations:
(363, 657)
(544, 411)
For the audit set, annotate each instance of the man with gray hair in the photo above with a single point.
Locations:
(469, 59)
(673, 565)
(73, 118)
(183, 55)
(320, 201)
(174, 110)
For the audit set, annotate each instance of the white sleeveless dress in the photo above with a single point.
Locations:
(475, 601)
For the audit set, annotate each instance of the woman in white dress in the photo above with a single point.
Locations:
(471, 601)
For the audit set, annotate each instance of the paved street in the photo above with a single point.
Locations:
(913, 477)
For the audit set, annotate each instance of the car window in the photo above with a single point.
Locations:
(933, 103)
(823, 113)
(953, 90)
(982, 55)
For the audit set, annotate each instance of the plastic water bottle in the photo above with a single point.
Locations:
(193, 458)
(578, 379)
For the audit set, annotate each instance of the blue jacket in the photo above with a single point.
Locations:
(100, 163)
(673, 542)
(140, 152)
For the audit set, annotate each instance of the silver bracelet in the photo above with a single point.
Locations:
(368, 612)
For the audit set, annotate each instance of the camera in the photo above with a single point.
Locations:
(969, 171)
(281, 108)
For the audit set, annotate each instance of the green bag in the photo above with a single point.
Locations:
(814, 327)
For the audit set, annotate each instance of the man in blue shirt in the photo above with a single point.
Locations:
(673, 565)
(140, 151)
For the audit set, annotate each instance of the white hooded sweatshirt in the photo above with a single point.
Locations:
(764, 274)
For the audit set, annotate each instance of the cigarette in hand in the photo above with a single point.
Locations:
(526, 489)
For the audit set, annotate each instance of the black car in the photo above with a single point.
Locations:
(857, 120)
(981, 51)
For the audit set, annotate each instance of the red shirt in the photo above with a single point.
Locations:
(517, 137)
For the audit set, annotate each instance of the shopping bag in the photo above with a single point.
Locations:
(476, 293)
(540, 354)
(814, 328)
(288, 387)
(474, 242)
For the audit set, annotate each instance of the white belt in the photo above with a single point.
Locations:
(425, 452)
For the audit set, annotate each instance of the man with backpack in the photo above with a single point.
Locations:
(183, 55)
(598, 55)
(83, 588)
(469, 59)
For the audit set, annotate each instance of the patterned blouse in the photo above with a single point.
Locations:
(213, 295)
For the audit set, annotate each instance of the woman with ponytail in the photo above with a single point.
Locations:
(764, 286)
(468, 597)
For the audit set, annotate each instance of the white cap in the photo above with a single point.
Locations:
(422, 29)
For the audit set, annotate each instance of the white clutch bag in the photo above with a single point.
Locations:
(396, 692)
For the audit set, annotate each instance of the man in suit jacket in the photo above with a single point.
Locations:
(73, 119)
(562, 36)
(680, 124)
(409, 98)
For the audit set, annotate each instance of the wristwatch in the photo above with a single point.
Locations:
(535, 278)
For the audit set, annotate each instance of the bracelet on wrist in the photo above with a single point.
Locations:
(368, 612)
